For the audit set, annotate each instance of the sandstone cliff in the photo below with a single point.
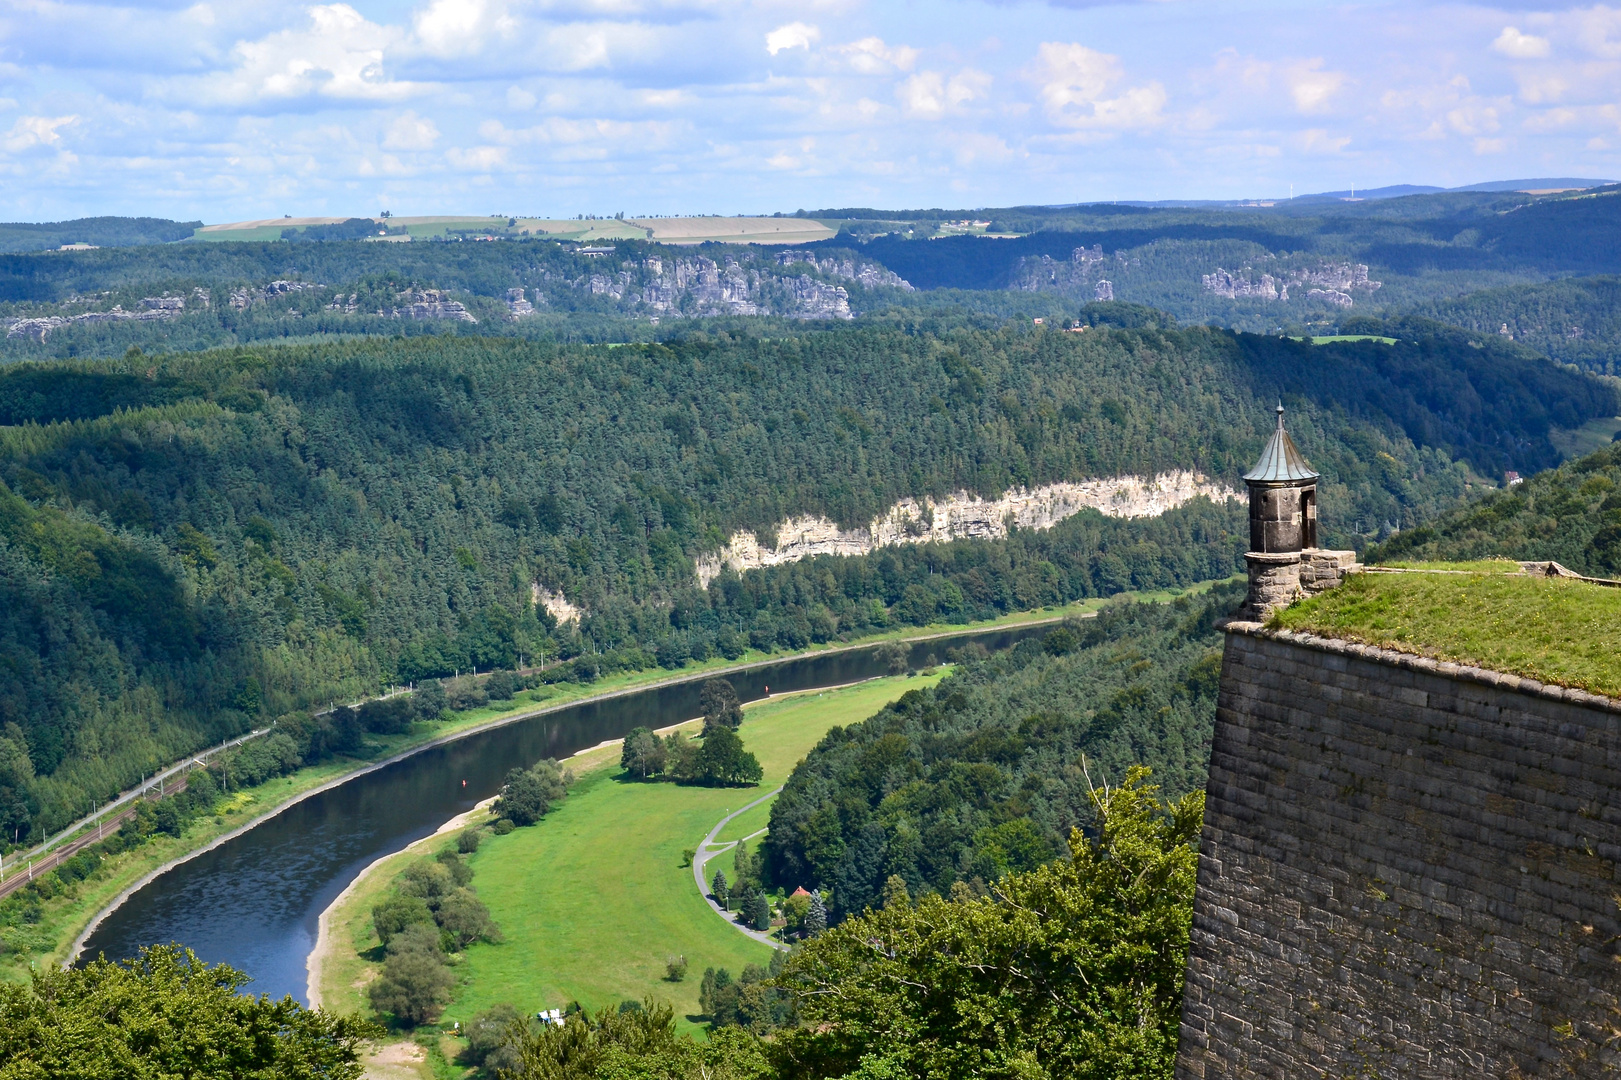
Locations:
(960, 516)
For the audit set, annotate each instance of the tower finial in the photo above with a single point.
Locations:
(1280, 414)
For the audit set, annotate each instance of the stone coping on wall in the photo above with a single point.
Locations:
(1417, 662)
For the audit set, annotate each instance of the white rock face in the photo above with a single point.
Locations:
(960, 516)
(556, 604)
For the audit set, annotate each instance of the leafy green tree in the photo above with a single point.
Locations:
(644, 753)
(722, 760)
(166, 1013)
(722, 894)
(467, 843)
(463, 916)
(415, 983)
(636, 1043)
(895, 892)
(717, 699)
(501, 685)
(430, 699)
(1077, 965)
(492, 1038)
(390, 916)
(529, 793)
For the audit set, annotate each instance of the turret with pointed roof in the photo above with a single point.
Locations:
(1283, 497)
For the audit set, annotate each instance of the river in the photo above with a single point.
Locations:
(254, 902)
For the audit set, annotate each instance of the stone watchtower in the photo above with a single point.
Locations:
(1284, 560)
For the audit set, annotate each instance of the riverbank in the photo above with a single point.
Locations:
(617, 900)
(61, 917)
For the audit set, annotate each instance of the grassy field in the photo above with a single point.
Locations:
(594, 899)
(1550, 629)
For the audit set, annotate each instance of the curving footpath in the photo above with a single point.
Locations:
(701, 858)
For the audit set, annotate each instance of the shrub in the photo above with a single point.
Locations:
(414, 986)
(675, 968)
(430, 699)
(465, 693)
(501, 685)
(490, 1038)
(502, 827)
(467, 842)
(391, 716)
(465, 918)
(427, 879)
(394, 914)
(529, 793)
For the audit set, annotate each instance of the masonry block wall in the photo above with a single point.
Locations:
(1409, 869)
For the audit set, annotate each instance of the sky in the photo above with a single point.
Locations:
(552, 108)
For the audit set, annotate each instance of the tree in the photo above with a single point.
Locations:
(722, 760)
(468, 841)
(1077, 964)
(717, 699)
(430, 699)
(722, 895)
(415, 983)
(491, 1038)
(681, 757)
(529, 793)
(464, 917)
(644, 754)
(501, 685)
(396, 913)
(815, 917)
(895, 892)
(757, 911)
(166, 1013)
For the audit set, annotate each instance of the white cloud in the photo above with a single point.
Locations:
(1319, 141)
(795, 35)
(1520, 46)
(931, 95)
(411, 132)
(31, 131)
(1074, 82)
(1311, 87)
(871, 56)
(519, 99)
(477, 158)
(339, 55)
(451, 28)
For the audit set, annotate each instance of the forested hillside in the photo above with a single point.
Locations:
(988, 772)
(1571, 515)
(1292, 267)
(1573, 320)
(190, 542)
(196, 296)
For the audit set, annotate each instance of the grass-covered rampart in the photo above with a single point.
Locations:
(1554, 630)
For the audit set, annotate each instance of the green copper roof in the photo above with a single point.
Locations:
(1281, 461)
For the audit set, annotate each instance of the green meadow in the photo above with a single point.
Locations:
(596, 898)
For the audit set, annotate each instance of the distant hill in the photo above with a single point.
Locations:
(1571, 515)
(95, 231)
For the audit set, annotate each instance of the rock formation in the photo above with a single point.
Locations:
(960, 516)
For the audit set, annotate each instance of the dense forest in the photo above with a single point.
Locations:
(1573, 320)
(1571, 515)
(990, 771)
(190, 542)
(97, 231)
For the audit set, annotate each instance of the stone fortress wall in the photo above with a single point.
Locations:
(1409, 869)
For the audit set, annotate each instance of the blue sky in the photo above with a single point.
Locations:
(228, 111)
